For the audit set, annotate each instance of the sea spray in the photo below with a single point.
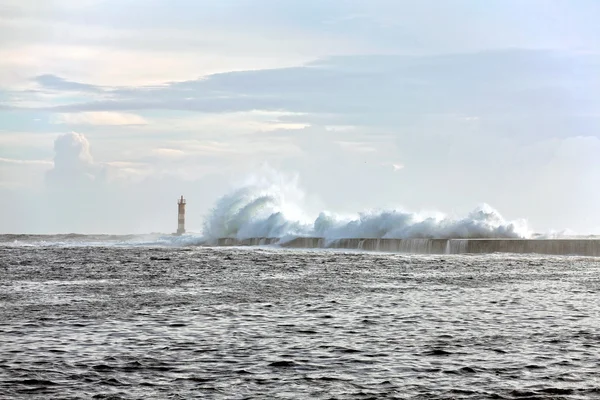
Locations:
(265, 205)
(270, 205)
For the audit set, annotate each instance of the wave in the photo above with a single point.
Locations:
(270, 206)
(82, 240)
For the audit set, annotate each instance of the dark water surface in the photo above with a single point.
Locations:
(230, 323)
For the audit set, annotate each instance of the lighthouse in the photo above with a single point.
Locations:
(181, 216)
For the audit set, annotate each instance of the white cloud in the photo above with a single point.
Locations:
(168, 153)
(15, 140)
(229, 123)
(230, 151)
(100, 118)
(105, 52)
(25, 162)
(22, 173)
(186, 40)
(472, 125)
(73, 162)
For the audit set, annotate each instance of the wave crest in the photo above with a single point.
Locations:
(270, 207)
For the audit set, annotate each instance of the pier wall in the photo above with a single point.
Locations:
(583, 247)
(260, 241)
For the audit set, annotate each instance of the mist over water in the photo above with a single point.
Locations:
(272, 206)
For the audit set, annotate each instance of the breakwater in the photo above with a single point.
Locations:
(582, 247)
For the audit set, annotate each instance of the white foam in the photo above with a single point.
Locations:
(270, 206)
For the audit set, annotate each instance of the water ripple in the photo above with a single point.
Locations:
(155, 323)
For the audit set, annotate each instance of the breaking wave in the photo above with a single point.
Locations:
(270, 206)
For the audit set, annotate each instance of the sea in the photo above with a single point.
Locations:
(126, 318)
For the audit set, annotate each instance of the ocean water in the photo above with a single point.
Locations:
(154, 322)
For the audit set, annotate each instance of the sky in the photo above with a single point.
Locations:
(110, 110)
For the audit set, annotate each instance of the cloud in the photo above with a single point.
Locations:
(100, 118)
(183, 40)
(515, 91)
(25, 162)
(353, 91)
(226, 124)
(20, 143)
(245, 148)
(49, 81)
(107, 50)
(22, 173)
(84, 195)
(168, 153)
(72, 150)
(73, 162)
(75, 169)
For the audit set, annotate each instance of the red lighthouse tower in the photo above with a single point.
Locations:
(181, 216)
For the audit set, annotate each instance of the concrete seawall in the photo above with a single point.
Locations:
(582, 247)
(247, 242)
